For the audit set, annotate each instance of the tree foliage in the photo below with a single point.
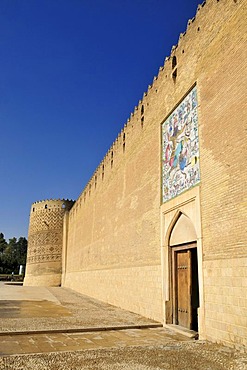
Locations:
(12, 254)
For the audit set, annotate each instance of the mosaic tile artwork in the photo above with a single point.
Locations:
(180, 148)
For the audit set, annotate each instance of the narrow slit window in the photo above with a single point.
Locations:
(174, 62)
(174, 68)
(142, 122)
(124, 142)
(103, 172)
(111, 159)
(142, 110)
(174, 74)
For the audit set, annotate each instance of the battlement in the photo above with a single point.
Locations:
(65, 204)
(190, 46)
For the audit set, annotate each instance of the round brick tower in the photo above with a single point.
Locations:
(45, 242)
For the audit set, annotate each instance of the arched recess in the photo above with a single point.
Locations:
(182, 231)
(183, 302)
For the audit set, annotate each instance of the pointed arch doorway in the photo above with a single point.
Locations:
(184, 273)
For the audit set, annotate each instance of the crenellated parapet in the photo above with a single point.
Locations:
(45, 242)
(174, 68)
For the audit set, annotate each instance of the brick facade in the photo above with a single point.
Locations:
(116, 239)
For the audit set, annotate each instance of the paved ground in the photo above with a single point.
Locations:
(55, 342)
(57, 329)
(176, 356)
(30, 309)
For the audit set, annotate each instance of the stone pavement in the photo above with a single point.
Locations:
(30, 309)
(55, 342)
(56, 328)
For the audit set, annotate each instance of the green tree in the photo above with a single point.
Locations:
(12, 254)
(21, 251)
(3, 243)
(3, 246)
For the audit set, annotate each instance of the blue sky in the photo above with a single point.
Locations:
(71, 72)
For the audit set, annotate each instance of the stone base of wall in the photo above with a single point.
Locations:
(225, 286)
(137, 289)
(43, 274)
(43, 280)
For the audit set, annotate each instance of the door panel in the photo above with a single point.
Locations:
(183, 315)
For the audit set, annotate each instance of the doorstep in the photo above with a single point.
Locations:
(181, 330)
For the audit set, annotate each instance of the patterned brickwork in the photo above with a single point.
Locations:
(45, 239)
(45, 246)
(41, 220)
(45, 235)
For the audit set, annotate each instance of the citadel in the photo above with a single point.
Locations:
(160, 228)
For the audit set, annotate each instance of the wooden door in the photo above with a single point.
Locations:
(182, 288)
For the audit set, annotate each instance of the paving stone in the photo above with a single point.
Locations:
(58, 309)
(130, 349)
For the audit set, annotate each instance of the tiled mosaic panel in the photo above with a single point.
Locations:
(180, 148)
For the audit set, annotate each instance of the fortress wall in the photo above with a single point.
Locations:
(224, 177)
(114, 229)
(113, 239)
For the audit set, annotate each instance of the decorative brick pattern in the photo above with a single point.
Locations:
(51, 219)
(45, 235)
(45, 241)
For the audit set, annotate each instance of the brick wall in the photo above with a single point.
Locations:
(224, 177)
(137, 289)
(114, 227)
(225, 301)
